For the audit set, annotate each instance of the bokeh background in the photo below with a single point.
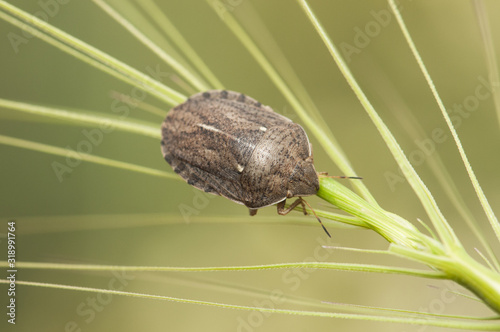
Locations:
(102, 215)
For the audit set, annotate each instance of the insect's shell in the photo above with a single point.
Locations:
(229, 144)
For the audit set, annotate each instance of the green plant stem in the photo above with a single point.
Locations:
(459, 324)
(464, 270)
(475, 183)
(300, 265)
(489, 51)
(195, 81)
(163, 22)
(477, 278)
(83, 117)
(395, 230)
(44, 148)
(409, 243)
(428, 202)
(87, 53)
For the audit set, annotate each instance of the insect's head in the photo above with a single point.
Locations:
(304, 179)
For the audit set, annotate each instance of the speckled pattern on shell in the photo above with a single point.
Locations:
(229, 144)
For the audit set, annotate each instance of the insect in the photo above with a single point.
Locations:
(229, 144)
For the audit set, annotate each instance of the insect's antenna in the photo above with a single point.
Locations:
(324, 228)
(345, 177)
(325, 174)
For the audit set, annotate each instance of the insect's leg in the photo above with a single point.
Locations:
(253, 212)
(283, 211)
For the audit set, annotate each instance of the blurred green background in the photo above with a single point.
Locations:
(102, 215)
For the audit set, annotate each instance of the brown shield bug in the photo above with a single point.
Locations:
(231, 145)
